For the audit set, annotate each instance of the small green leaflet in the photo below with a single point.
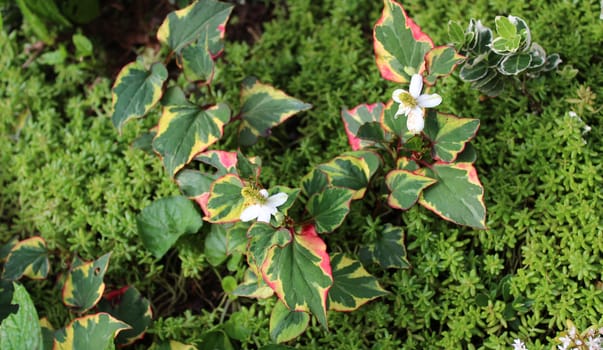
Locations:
(225, 240)
(352, 286)
(84, 284)
(354, 118)
(400, 45)
(262, 108)
(458, 195)
(187, 130)
(300, 273)
(202, 19)
(405, 188)
(136, 91)
(388, 250)
(449, 134)
(329, 208)
(162, 222)
(129, 306)
(440, 62)
(21, 330)
(28, 257)
(99, 329)
(285, 324)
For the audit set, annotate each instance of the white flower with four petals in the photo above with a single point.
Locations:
(412, 103)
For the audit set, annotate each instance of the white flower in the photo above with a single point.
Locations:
(259, 205)
(594, 343)
(412, 103)
(519, 345)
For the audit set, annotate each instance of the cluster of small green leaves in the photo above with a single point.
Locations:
(491, 60)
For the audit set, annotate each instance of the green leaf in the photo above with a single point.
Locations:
(54, 58)
(194, 183)
(329, 208)
(84, 284)
(456, 34)
(482, 37)
(6, 296)
(223, 241)
(203, 20)
(300, 273)
(216, 340)
(186, 130)
(81, 11)
(262, 108)
(552, 61)
(197, 63)
(28, 257)
(144, 142)
(440, 62)
(492, 84)
(405, 188)
(21, 330)
(400, 45)
(174, 96)
(314, 182)
(162, 222)
(458, 195)
(449, 134)
(83, 45)
(173, 345)
(352, 286)
(515, 64)
(395, 124)
(35, 22)
(224, 162)
(6, 248)
(262, 237)
(135, 91)
(253, 287)
(354, 118)
(47, 334)
(348, 172)
(285, 324)
(275, 347)
(99, 329)
(388, 250)
(504, 27)
(130, 307)
(225, 202)
(474, 70)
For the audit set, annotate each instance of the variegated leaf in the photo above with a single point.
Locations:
(400, 45)
(348, 172)
(449, 134)
(405, 188)
(264, 107)
(314, 182)
(300, 273)
(135, 91)
(84, 284)
(458, 195)
(352, 286)
(20, 329)
(99, 329)
(440, 62)
(388, 250)
(129, 306)
(354, 118)
(395, 124)
(187, 130)
(286, 324)
(225, 202)
(262, 237)
(253, 286)
(27, 258)
(172, 345)
(329, 208)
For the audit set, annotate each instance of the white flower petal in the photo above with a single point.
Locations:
(402, 109)
(416, 84)
(429, 100)
(264, 215)
(415, 123)
(250, 213)
(264, 193)
(277, 199)
(396, 95)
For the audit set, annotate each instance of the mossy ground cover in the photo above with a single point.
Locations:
(67, 175)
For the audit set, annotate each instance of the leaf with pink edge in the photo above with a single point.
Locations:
(400, 45)
(458, 196)
(300, 273)
(354, 118)
(449, 134)
(440, 62)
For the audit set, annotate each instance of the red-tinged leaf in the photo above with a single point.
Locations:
(405, 188)
(130, 307)
(358, 116)
(27, 258)
(84, 284)
(285, 324)
(400, 45)
(440, 62)
(225, 162)
(449, 134)
(300, 273)
(352, 286)
(99, 329)
(225, 202)
(458, 196)
(264, 107)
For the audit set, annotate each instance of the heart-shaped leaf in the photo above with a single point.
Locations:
(388, 250)
(354, 118)
(440, 62)
(458, 195)
(84, 284)
(225, 202)
(348, 172)
(223, 241)
(449, 134)
(197, 63)
(262, 237)
(285, 324)
(28, 257)
(99, 329)
(187, 130)
(165, 220)
(264, 107)
(20, 330)
(400, 45)
(300, 273)
(329, 208)
(405, 188)
(352, 286)
(129, 306)
(136, 91)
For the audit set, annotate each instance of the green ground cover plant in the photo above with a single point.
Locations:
(68, 177)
